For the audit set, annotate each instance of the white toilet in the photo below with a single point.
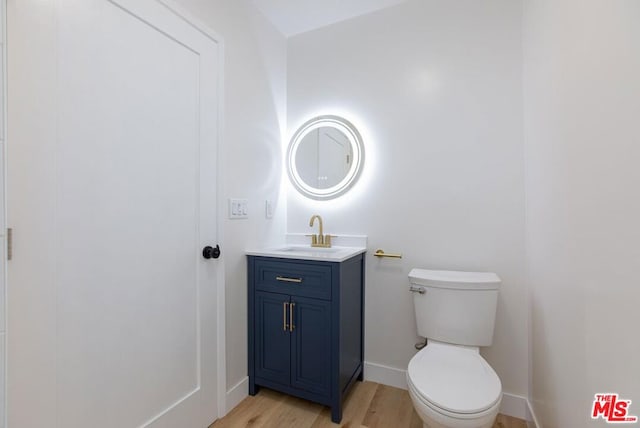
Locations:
(450, 384)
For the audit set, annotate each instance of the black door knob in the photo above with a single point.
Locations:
(210, 252)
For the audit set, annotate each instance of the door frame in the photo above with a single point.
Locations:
(204, 29)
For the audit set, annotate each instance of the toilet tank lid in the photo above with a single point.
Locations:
(455, 279)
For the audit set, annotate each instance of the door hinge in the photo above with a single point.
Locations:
(9, 243)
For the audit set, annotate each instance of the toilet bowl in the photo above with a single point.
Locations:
(450, 384)
(453, 387)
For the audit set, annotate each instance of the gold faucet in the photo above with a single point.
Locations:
(319, 240)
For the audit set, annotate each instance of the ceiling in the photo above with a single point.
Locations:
(298, 16)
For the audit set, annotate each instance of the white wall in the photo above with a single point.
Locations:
(250, 151)
(435, 87)
(3, 259)
(582, 106)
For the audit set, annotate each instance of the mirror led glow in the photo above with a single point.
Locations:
(355, 140)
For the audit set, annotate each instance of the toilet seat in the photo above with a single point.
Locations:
(454, 380)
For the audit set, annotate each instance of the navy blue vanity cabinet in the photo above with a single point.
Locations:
(306, 322)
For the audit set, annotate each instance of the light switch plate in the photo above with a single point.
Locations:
(238, 208)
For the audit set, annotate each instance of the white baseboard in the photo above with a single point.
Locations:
(532, 421)
(385, 375)
(512, 405)
(236, 394)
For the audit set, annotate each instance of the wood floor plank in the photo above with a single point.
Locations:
(503, 421)
(390, 407)
(296, 413)
(354, 409)
(368, 405)
(253, 411)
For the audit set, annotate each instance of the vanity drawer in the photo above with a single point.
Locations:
(294, 278)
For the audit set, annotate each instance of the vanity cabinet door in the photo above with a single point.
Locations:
(311, 345)
(272, 337)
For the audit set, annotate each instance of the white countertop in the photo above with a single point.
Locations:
(306, 252)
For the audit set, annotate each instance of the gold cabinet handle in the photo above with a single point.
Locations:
(284, 316)
(287, 279)
(381, 253)
(291, 326)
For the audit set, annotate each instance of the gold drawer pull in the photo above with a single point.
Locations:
(291, 326)
(285, 279)
(284, 316)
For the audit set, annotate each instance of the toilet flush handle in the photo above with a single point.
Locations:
(415, 289)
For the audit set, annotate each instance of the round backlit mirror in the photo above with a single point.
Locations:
(325, 157)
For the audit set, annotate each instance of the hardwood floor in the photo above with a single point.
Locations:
(368, 405)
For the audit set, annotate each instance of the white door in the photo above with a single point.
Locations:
(113, 129)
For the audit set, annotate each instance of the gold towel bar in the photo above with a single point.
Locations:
(381, 253)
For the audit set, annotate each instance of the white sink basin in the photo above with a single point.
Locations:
(306, 252)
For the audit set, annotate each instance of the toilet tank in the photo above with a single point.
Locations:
(455, 307)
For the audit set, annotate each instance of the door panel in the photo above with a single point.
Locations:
(311, 345)
(132, 201)
(273, 339)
